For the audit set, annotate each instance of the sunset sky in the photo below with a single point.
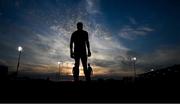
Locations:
(118, 30)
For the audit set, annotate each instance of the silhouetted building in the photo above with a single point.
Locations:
(3, 72)
(166, 74)
(127, 79)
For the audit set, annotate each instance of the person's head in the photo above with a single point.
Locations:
(89, 64)
(79, 25)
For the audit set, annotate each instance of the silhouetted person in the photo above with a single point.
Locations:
(78, 43)
(89, 72)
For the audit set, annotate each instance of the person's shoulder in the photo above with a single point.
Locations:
(85, 32)
(75, 32)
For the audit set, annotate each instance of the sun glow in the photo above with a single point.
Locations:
(66, 69)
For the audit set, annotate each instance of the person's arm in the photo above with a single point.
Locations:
(88, 46)
(71, 47)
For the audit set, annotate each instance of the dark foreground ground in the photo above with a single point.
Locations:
(96, 91)
(156, 86)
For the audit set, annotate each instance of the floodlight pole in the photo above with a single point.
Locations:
(59, 70)
(134, 69)
(18, 63)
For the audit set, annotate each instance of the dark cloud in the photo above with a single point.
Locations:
(159, 58)
(2, 62)
(132, 32)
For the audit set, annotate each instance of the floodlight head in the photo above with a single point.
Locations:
(152, 69)
(20, 48)
(59, 62)
(134, 59)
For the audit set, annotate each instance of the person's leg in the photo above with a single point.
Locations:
(88, 76)
(76, 69)
(84, 63)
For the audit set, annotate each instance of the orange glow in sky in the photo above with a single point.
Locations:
(67, 69)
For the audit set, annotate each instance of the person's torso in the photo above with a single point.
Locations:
(89, 69)
(80, 38)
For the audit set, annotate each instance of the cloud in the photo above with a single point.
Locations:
(47, 49)
(131, 32)
(17, 3)
(3, 62)
(92, 6)
(163, 56)
(160, 58)
(46, 37)
(132, 20)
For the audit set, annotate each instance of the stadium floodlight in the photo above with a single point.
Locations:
(134, 59)
(134, 62)
(152, 69)
(20, 50)
(59, 63)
